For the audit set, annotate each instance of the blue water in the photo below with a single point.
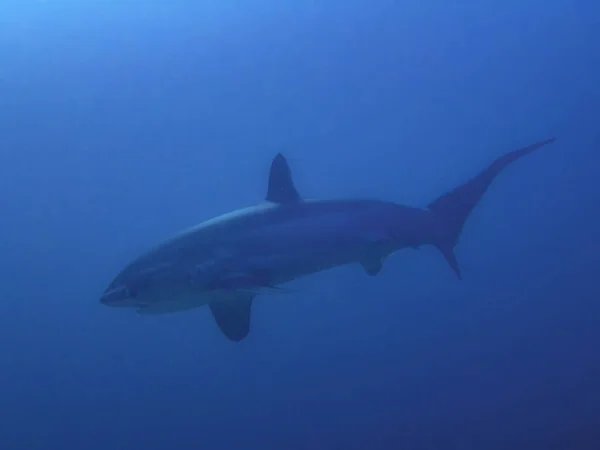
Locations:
(122, 123)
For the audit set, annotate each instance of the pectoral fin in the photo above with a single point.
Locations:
(233, 315)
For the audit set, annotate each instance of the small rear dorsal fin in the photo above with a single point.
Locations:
(281, 185)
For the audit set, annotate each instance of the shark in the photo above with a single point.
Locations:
(227, 261)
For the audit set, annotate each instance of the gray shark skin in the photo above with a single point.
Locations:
(227, 261)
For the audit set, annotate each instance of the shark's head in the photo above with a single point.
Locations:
(158, 297)
(143, 282)
(133, 289)
(152, 288)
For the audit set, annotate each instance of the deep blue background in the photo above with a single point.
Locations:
(124, 122)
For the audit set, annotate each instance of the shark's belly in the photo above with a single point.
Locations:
(308, 260)
(172, 299)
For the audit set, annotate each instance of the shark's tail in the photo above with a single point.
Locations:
(453, 209)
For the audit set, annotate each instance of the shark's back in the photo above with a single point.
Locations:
(267, 216)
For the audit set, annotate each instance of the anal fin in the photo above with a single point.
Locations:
(233, 316)
(372, 265)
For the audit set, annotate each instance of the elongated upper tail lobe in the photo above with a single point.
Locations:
(453, 208)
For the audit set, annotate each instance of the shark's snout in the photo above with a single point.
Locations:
(118, 296)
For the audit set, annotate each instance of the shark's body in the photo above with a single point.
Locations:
(226, 261)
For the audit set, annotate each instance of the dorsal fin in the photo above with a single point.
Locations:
(281, 185)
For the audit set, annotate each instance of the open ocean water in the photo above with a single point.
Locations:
(124, 122)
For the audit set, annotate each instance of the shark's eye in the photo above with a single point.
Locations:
(132, 293)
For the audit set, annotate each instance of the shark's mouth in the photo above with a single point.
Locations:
(120, 296)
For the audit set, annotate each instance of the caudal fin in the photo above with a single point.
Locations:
(453, 209)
